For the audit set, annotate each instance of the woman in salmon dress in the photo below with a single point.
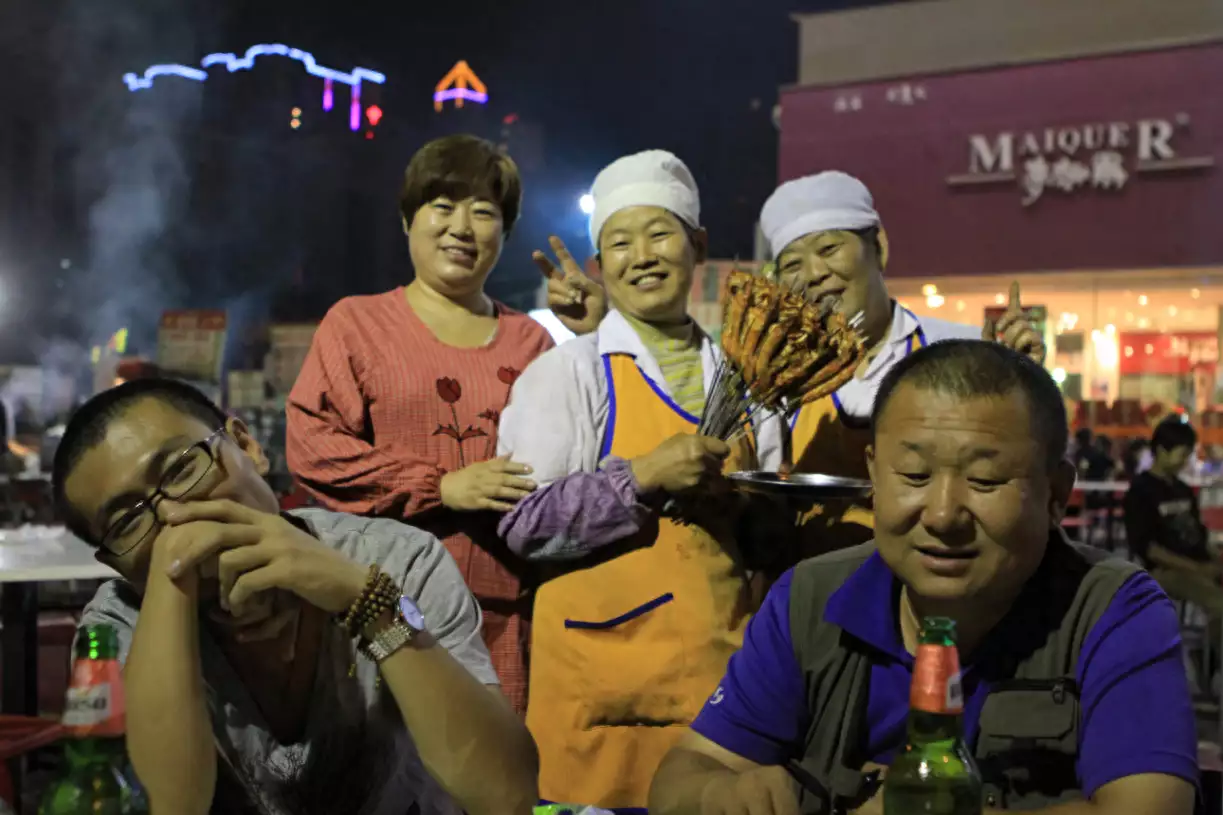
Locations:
(395, 411)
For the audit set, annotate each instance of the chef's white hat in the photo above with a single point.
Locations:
(652, 178)
(816, 203)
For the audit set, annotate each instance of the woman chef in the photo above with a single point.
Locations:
(828, 242)
(635, 630)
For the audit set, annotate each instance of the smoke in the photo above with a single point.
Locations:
(59, 383)
(182, 201)
(129, 159)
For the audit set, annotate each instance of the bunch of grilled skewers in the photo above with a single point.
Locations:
(780, 351)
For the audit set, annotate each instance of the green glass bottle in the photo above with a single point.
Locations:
(96, 778)
(934, 773)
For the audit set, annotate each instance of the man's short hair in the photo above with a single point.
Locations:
(1173, 432)
(462, 166)
(88, 425)
(974, 369)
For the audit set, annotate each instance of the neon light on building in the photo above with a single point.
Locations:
(135, 83)
(460, 84)
(459, 94)
(234, 63)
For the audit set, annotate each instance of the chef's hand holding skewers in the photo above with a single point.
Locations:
(680, 464)
(780, 351)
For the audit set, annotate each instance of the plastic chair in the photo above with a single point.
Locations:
(1198, 647)
(20, 735)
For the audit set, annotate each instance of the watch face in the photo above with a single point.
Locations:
(411, 614)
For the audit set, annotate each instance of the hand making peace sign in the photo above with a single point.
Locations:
(1015, 330)
(577, 301)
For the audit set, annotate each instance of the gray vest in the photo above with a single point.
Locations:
(1029, 726)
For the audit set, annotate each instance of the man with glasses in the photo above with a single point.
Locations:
(257, 645)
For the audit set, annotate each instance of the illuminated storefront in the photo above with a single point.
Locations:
(1090, 179)
(1146, 338)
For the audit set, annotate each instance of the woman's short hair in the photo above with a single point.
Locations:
(462, 166)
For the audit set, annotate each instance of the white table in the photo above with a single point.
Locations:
(31, 555)
(1110, 490)
(25, 478)
(45, 554)
(1102, 486)
(28, 556)
(1122, 486)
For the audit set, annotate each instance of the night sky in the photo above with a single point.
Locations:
(194, 196)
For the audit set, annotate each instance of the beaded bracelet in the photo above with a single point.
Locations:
(379, 596)
(346, 622)
(383, 598)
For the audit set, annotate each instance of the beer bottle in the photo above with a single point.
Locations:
(96, 778)
(934, 774)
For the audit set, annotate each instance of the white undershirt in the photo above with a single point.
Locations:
(857, 396)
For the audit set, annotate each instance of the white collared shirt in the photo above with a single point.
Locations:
(857, 396)
(557, 415)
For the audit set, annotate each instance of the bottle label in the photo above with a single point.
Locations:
(936, 680)
(95, 705)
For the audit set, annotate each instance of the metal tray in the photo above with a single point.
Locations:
(801, 485)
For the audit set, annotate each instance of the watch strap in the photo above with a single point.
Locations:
(388, 640)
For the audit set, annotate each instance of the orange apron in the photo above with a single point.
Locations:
(626, 650)
(828, 440)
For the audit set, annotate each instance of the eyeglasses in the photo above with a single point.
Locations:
(184, 474)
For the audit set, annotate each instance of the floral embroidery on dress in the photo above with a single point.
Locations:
(450, 391)
(508, 376)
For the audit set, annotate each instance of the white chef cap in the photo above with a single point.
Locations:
(653, 178)
(816, 203)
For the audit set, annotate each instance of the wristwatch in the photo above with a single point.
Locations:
(409, 622)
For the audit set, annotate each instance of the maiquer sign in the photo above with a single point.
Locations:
(1098, 156)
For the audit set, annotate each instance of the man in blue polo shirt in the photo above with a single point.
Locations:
(1076, 700)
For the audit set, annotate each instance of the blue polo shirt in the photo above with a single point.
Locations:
(1137, 714)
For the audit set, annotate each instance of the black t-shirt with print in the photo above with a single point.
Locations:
(1164, 512)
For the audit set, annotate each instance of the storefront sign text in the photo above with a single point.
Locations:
(1101, 156)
